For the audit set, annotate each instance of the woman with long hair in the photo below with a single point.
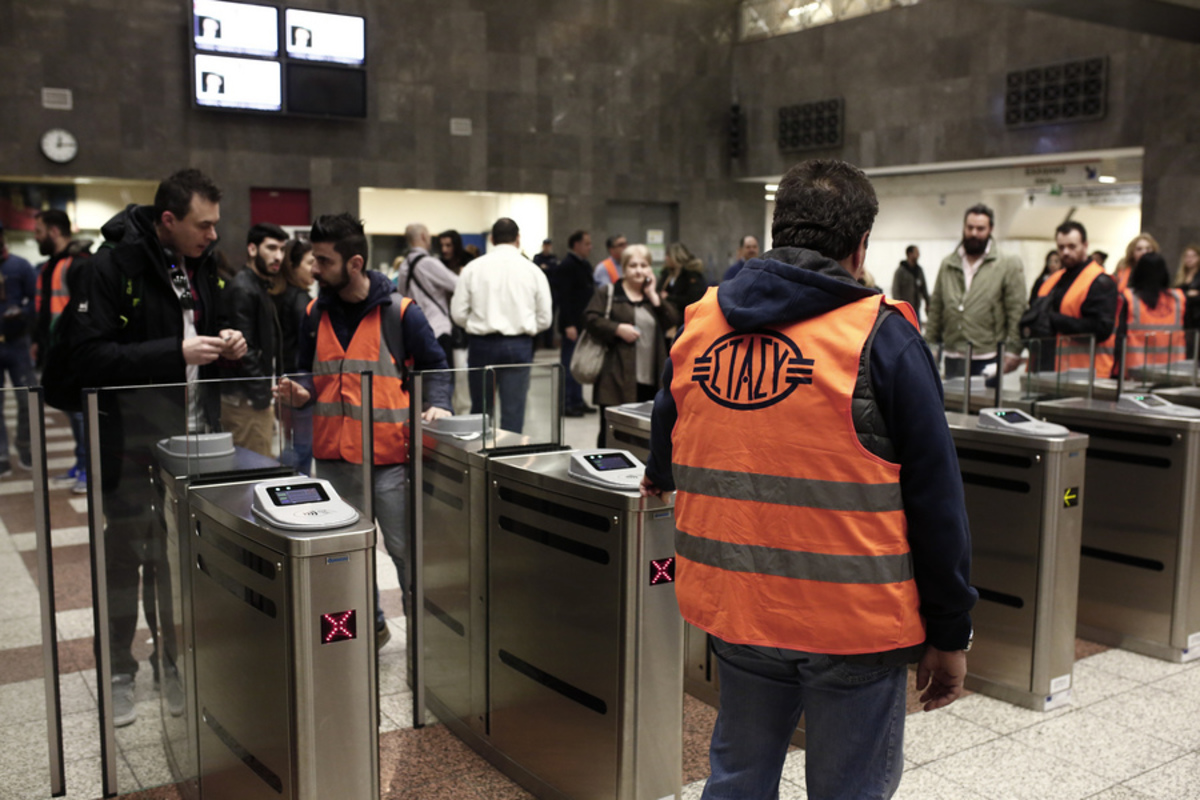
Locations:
(1151, 315)
(291, 294)
(1187, 278)
(635, 331)
(451, 251)
(683, 279)
(1051, 265)
(1138, 246)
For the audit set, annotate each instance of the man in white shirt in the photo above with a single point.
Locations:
(502, 301)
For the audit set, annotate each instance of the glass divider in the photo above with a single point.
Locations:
(100, 611)
(45, 573)
(416, 527)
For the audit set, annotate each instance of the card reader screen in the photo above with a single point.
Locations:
(297, 495)
(1150, 400)
(1012, 416)
(605, 462)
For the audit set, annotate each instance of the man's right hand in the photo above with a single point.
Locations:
(940, 677)
(200, 350)
(291, 393)
(571, 332)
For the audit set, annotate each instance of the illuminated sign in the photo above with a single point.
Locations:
(318, 36)
(662, 571)
(225, 82)
(338, 627)
(223, 27)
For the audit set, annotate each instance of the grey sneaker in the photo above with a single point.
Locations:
(124, 711)
(172, 689)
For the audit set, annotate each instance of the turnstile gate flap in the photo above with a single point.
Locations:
(230, 504)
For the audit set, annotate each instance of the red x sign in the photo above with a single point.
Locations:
(338, 627)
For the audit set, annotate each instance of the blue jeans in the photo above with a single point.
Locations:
(391, 511)
(513, 383)
(854, 724)
(574, 389)
(80, 440)
(16, 363)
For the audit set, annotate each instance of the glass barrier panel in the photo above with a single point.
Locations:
(1159, 358)
(31, 689)
(1062, 366)
(523, 402)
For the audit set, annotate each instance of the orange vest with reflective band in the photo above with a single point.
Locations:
(614, 274)
(1073, 350)
(1155, 335)
(337, 419)
(1122, 278)
(59, 295)
(790, 533)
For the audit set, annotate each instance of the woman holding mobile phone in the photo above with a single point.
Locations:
(635, 331)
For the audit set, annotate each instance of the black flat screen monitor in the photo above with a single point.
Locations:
(326, 91)
(238, 83)
(319, 36)
(242, 28)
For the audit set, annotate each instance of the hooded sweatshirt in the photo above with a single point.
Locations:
(788, 285)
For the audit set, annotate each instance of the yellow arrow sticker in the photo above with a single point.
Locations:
(1071, 497)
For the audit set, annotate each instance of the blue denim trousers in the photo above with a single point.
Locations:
(391, 511)
(574, 389)
(854, 724)
(512, 382)
(17, 365)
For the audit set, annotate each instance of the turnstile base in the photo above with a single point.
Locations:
(1147, 648)
(1018, 697)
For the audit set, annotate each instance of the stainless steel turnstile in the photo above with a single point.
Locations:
(285, 654)
(184, 462)
(1023, 497)
(1139, 582)
(1181, 395)
(628, 427)
(584, 635)
(982, 395)
(1070, 383)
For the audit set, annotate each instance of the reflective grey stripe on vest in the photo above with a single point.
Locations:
(353, 366)
(390, 415)
(828, 495)
(794, 563)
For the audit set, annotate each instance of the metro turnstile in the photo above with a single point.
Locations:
(284, 630)
(1181, 395)
(584, 635)
(628, 428)
(183, 462)
(1022, 496)
(982, 395)
(1139, 581)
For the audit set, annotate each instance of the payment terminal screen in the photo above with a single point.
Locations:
(1150, 400)
(297, 495)
(605, 462)
(1012, 416)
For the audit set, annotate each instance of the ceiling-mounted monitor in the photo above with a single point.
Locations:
(320, 36)
(240, 83)
(242, 28)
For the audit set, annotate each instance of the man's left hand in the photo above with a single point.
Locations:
(1011, 362)
(648, 489)
(435, 412)
(940, 677)
(235, 344)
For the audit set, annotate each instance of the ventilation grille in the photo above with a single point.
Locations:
(1073, 91)
(811, 126)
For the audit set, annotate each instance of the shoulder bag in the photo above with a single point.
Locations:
(588, 359)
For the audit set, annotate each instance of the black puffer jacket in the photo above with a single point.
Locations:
(252, 311)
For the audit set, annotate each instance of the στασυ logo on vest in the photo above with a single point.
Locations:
(749, 370)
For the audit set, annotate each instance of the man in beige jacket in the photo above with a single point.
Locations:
(978, 298)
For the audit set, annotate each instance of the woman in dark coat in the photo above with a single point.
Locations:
(683, 278)
(635, 332)
(291, 297)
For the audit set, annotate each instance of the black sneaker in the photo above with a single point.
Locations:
(589, 409)
(573, 412)
(25, 461)
(5, 469)
(383, 635)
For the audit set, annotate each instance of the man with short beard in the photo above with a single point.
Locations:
(978, 299)
(246, 405)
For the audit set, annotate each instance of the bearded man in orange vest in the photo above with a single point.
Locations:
(822, 538)
(1084, 300)
(360, 323)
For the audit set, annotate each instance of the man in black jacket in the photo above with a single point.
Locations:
(908, 284)
(574, 287)
(246, 405)
(146, 311)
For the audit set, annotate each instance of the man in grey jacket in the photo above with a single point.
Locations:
(429, 282)
(978, 298)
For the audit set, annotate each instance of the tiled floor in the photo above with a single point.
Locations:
(1131, 734)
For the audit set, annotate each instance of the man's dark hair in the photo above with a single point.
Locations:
(175, 193)
(344, 232)
(610, 241)
(980, 208)
(824, 205)
(505, 231)
(575, 238)
(908, 251)
(266, 230)
(1071, 225)
(1100, 256)
(56, 218)
(742, 241)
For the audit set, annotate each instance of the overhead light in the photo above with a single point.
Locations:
(770, 198)
(796, 11)
(1107, 179)
(772, 187)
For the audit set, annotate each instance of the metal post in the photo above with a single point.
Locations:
(1196, 359)
(102, 645)
(416, 547)
(1121, 342)
(45, 572)
(999, 373)
(1091, 364)
(966, 406)
(368, 443)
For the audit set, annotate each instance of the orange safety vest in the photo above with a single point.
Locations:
(614, 274)
(1073, 351)
(337, 420)
(1122, 277)
(59, 295)
(790, 533)
(1155, 335)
